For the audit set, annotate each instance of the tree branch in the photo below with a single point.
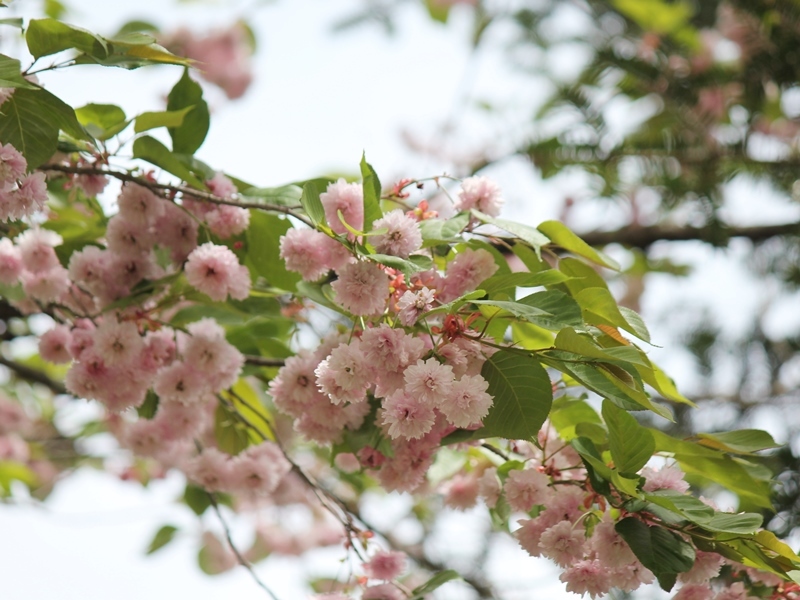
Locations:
(264, 362)
(33, 375)
(160, 188)
(644, 237)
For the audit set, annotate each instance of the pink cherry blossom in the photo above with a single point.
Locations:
(402, 237)
(527, 488)
(117, 342)
(305, 252)
(362, 288)
(385, 565)
(347, 198)
(345, 375)
(139, 206)
(563, 543)
(694, 592)
(12, 164)
(215, 271)
(407, 416)
(412, 304)
(666, 478)
(481, 193)
(53, 345)
(36, 249)
(467, 403)
(467, 270)
(586, 577)
(429, 381)
(10, 262)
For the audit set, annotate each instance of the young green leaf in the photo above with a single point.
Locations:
(162, 537)
(189, 135)
(372, 194)
(561, 235)
(631, 444)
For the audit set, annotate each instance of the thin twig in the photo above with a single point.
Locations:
(241, 559)
(160, 188)
(33, 375)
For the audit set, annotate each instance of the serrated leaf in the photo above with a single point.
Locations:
(564, 310)
(434, 583)
(162, 537)
(660, 550)
(190, 134)
(372, 194)
(562, 236)
(165, 118)
(10, 74)
(568, 413)
(154, 152)
(30, 121)
(631, 445)
(522, 395)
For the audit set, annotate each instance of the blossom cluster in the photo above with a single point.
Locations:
(21, 194)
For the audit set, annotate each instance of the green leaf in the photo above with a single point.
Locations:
(162, 537)
(11, 470)
(560, 235)
(438, 231)
(522, 396)
(372, 194)
(660, 550)
(166, 118)
(742, 523)
(248, 405)
(631, 444)
(519, 310)
(102, 121)
(13, 22)
(524, 232)
(30, 121)
(153, 151)
(311, 202)
(438, 10)
(10, 74)
(716, 468)
(564, 310)
(148, 409)
(49, 36)
(509, 283)
(414, 264)
(263, 249)
(287, 195)
(568, 413)
(197, 499)
(190, 134)
(599, 307)
(434, 583)
(743, 441)
(231, 435)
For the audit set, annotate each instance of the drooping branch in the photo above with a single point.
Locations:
(161, 188)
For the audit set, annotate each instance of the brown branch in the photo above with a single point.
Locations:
(33, 375)
(160, 188)
(264, 362)
(644, 237)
